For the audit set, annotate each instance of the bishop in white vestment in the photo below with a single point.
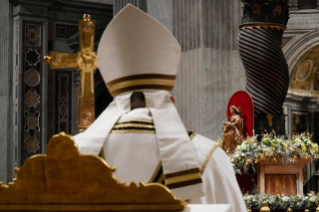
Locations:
(137, 55)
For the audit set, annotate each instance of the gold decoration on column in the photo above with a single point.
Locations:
(289, 210)
(317, 209)
(264, 207)
(248, 210)
(306, 210)
(85, 61)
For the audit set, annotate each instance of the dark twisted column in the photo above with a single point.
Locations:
(267, 74)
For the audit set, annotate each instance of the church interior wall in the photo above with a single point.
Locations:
(161, 11)
(301, 43)
(6, 103)
(210, 70)
(301, 106)
(32, 25)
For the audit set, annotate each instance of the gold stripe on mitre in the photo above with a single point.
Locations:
(142, 81)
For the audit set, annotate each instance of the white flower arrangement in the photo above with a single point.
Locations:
(251, 151)
(309, 201)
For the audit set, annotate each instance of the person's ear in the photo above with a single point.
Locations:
(173, 99)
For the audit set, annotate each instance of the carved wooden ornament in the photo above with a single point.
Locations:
(65, 180)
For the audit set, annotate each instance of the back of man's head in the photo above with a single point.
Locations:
(137, 100)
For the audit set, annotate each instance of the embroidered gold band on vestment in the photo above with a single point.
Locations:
(183, 178)
(182, 173)
(143, 81)
(134, 131)
(208, 157)
(158, 175)
(136, 121)
(134, 126)
(185, 183)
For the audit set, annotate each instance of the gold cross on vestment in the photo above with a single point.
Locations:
(85, 61)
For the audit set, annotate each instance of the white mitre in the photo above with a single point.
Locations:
(137, 53)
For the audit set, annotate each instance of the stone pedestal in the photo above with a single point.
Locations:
(291, 176)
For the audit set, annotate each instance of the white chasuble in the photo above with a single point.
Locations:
(131, 147)
(137, 53)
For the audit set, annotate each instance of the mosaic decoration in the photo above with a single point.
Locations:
(64, 31)
(302, 78)
(32, 69)
(305, 77)
(33, 35)
(32, 99)
(32, 78)
(32, 121)
(63, 102)
(61, 31)
(32, 57)
(32, 144)
(303, 69)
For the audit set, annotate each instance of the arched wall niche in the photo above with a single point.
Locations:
(302, 55)
(300, 45)
(304, 77)
(300, 106)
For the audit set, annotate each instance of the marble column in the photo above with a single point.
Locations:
(267, 72)
(5, 90)
(210, 70)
